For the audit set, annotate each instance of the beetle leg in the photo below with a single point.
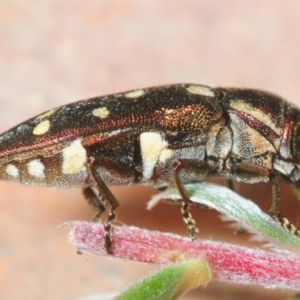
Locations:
(185, 206)
(275, 208)
(94, 201)
(230, 184)
(102, 191)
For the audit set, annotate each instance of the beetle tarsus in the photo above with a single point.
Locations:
(287, 225)
(290, 227)
(187, 218)
(108, 228)
(275, 209)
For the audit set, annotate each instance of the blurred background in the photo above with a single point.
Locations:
(55, 52)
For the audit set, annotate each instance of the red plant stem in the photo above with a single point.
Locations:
(227, 262)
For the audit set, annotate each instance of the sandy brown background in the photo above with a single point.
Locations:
(55, 52)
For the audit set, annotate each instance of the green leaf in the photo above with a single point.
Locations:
(240, 209)
(170, 282)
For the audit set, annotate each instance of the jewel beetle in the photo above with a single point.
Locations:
(173, 134)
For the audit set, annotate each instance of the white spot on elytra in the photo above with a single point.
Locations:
(74, 158)
(154, 149)
(41, 128)
(46, 114)
(101, 112)
(12, 171)
(134, 94)
(36, 169)
(200, 90)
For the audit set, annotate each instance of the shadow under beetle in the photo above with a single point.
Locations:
(172, 134)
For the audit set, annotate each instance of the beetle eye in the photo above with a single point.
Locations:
(296, 141)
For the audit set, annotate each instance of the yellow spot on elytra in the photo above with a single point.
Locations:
(101, 112)
(200, 90)
(41, 128)
(165, 154)
(74, 158)
(36, 169)
(46, 114)
(153, 148)
(12, 171)
(134, 94)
